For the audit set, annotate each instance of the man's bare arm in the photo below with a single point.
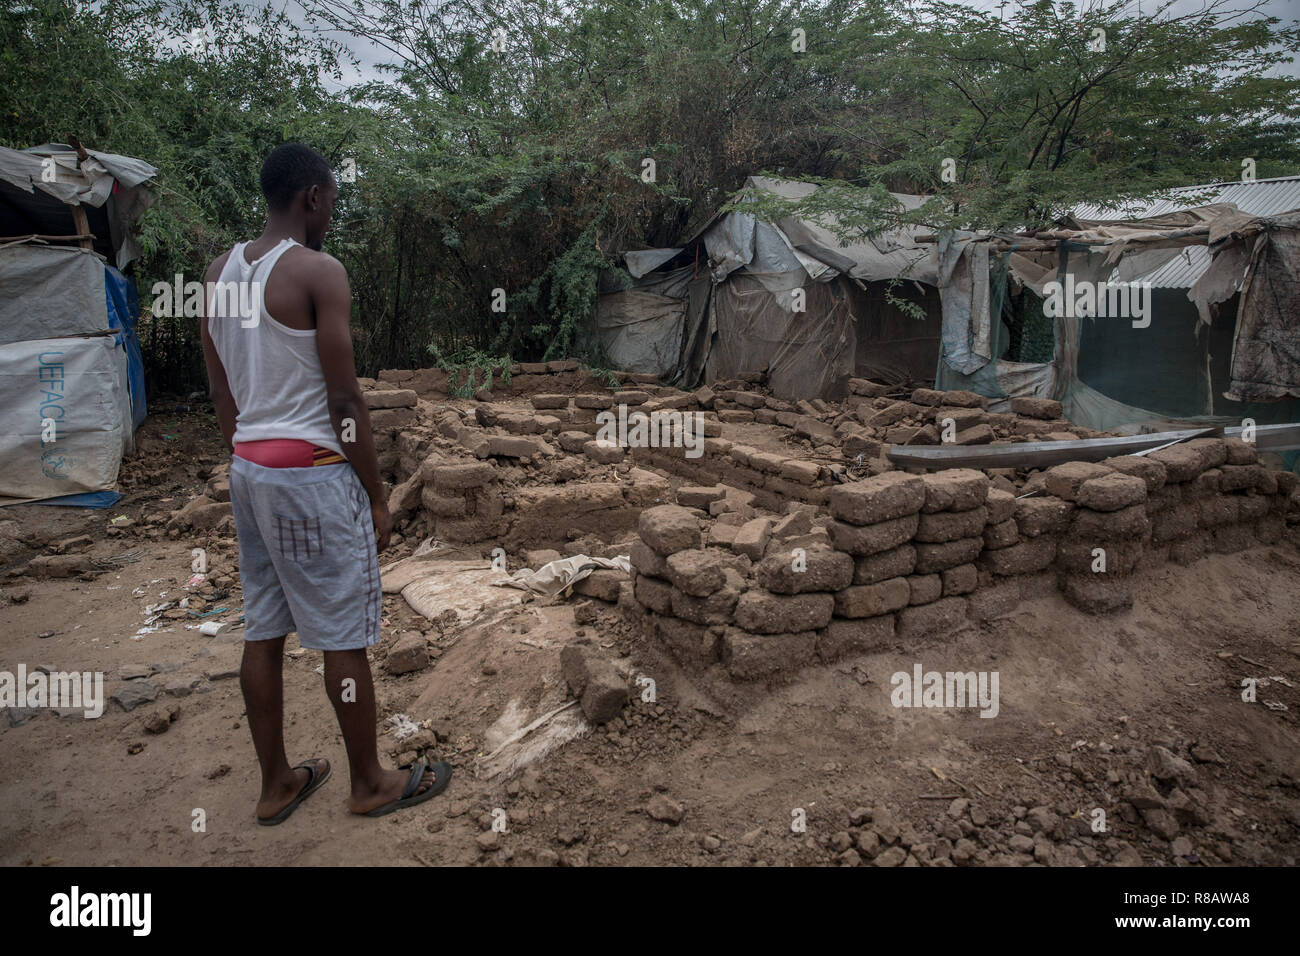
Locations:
(332, 300)
(218, 387)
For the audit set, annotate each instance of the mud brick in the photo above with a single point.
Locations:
(716, 608)
(594, 401)
(1219, 510)
(762, 612)
(572, 441)
(1239, 452)
(961, 418)
(587, 416)
(758, 656)
(1287, 481)
(856, 636)
(1239, 477)
(1001, 505)
(927, 396)
(955, 489)
(408, 653)
(1267, 482)
(1122, 556)
(602, 584)
(443, 506)
(817, 432)
(1130, 522)
(1182, 462)
(752, 537)
(942, 618)
(1042, 515)
(1026, 557)
(388, 419)
(949, 554)
(951, 525)
(653, 593)
(645, 560)
(860, 443)
(873, 538)
(669, 528)
(1043, 408)
(1174, 523)
(1064, 481)
(792, 525)
(1213, 450)
(824, 570)
(691, 644)
(1111, 492)
(1001, 535)
(960, 580)
(1204, 485)
(697, 497)
(1151, 472)
(1097, 593)
(503, 446)
(765, 416)
(696, 572)
(1251, 507)
(924, 588)
(804, 472)
(870, 600)
(561, 365)
(704, 397)
(862, 386)
(1232, 538)
(977, 435)
(995, 601)
(1162, 499)
(965, 399)
(893, 563)
(735, 416)
(549, 401)
(391, 398)
(881, 498)
(472, 475)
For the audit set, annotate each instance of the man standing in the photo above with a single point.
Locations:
(309, 505)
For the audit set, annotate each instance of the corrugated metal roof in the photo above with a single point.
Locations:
(1264, 197)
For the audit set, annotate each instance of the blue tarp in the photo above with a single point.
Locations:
(123, 314)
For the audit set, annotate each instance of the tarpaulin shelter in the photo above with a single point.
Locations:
(71, 373)
(743, 294)
(1220, 262)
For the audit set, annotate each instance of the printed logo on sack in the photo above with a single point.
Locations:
(75, 909)
(50, 379)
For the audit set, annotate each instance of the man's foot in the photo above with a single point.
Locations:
(306, 778)
(398, 789)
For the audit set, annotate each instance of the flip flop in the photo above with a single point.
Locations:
(315, 780)
(441, 777)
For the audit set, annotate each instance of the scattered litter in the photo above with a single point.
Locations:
(1275, 705)
(403, 726)
(213, 628)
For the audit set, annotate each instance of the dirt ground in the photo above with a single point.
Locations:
(1139, 715)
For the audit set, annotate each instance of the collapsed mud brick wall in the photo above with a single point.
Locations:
(784, 537)
(903, 557)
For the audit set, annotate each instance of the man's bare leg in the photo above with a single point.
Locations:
(372, 785)
(261, 678)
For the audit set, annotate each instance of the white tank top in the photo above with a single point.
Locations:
(274, 371)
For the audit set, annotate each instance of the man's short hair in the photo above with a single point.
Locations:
(291, 168)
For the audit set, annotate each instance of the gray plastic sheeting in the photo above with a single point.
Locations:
(49, 292)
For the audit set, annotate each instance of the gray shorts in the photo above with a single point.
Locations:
(307, 558)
